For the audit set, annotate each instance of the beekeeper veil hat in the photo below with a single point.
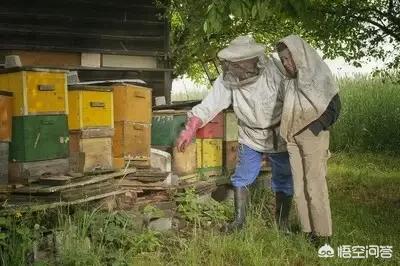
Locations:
(238, 67)
(241, 48)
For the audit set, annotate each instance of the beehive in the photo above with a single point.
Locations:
(166, 127)
(209, 155)
(132, 141)
(213, 129)
(36, 91)
(39, 137)
(90, 107)
(6, 100)
(231, 130)
(184, 163)
(132, 103)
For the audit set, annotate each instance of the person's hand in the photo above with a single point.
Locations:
(316, 127)
(186, 136)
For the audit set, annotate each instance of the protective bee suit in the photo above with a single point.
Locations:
(256, 104)
(311, 105)
(255, 92)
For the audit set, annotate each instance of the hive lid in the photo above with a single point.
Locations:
(81, 87)
(30, 68)
(114, 81)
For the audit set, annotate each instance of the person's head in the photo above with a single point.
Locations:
(240, 59)
(287, 60)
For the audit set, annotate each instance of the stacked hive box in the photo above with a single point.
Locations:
(230, 145)
(166, 126)
(5, 133)
(132, 124)
(39, 142)
(209, 147)
(91, 122)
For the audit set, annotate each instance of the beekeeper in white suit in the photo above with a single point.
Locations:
(251, 83)
(311, 106)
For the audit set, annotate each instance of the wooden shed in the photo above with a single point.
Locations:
(119, 39)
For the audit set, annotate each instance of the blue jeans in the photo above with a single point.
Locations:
(249, 165)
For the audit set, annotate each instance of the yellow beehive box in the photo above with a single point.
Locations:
(36, 91)
(209, 153)
(132, 103)
(90, 107)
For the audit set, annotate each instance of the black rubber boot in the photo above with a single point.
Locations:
(318, 241)
(283, 205)
(241, 195)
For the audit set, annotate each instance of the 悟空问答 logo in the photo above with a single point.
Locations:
(326, 251)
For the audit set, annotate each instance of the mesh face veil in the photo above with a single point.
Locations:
(241, 71)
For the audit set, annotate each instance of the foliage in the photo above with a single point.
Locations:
(103, 238)
(15, 241)
(201, 212)
(353, 29)
(192, 45)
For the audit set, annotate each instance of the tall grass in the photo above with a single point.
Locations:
(370, 117)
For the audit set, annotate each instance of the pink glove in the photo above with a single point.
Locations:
(186, 136)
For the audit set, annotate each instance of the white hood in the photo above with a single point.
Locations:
(307, 96)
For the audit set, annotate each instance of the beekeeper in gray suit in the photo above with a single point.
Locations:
(311, 106)
(251, 83)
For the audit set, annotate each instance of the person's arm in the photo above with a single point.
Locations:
(328, 118)
(218, 99)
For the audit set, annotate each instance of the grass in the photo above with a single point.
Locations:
(364, 191)
(365, 201)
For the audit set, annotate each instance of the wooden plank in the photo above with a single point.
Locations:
(66, 32)
(188, 177)
(141, 185)
(148, 179)
(30, 58)
(88, 191)
(26, 172)
(56, 180)
(3, 163)
(129, 61)
(92, 180)
(12, 208)
(91, 59)
(66, 48)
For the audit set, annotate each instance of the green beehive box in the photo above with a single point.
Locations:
(166, 126)
(38, 138)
